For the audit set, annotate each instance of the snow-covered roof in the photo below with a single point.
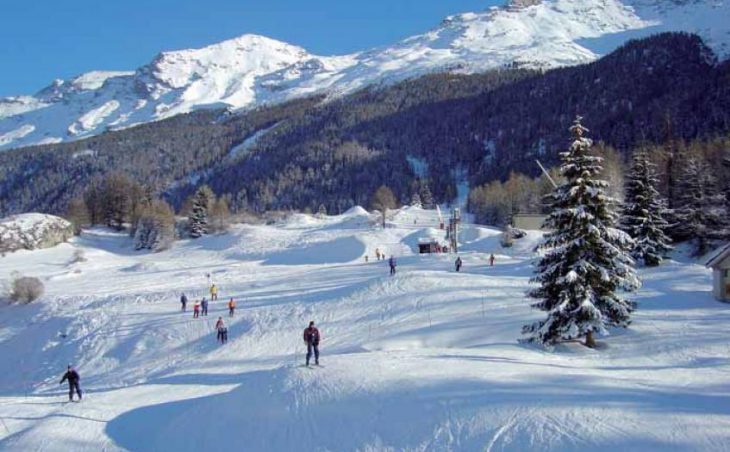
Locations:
(718, 256)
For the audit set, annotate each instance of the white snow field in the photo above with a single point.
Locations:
(427, 360)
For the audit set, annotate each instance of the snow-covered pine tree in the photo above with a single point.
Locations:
(198, 220)
(322, 211)
(699, 213)
(586, 258)
(426, 196)
(416, 200)
(644, 212)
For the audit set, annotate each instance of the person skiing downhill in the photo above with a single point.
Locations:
(458, 263)
(213, 292)
(73, 383)
(392, 264)
(491, 260)
(220, 327)
(183, 302)
(311, 338)
(231, 307)
(196, 309)
(204, 307)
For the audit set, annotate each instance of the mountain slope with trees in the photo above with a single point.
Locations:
(433, 132)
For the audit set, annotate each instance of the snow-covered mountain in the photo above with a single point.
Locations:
(252, 70)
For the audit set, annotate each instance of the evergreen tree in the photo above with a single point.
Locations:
(644, 212)
(426, 196)
(198, 219)
(322, 211)
(699, 213)
(586, 259)
(416, 200)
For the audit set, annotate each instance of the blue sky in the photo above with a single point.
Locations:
(44, 39)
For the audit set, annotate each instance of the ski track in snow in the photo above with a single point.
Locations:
(426, 360)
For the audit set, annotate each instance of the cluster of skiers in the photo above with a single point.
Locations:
(311, 334)
(200, 308)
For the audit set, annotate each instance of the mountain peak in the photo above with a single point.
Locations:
(250, 69)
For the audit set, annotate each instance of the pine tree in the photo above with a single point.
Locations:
(416, 200)
(644, 212)
(586, 259)
(198, 219)
(699, 207)
(426, 196)
(322, 211)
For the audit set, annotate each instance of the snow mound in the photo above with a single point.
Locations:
(356, 211)
(32, 231)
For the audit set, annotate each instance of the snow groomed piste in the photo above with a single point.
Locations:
(428, 359)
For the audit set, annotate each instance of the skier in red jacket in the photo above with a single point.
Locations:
(311, 338)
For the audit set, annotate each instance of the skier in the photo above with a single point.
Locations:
(491, 260)
(183, 301)
(377, 253)
(213, 293)
(366, 258)
(73, 383)
(311, 338)
(458, 263)
(204, 307)
(220, 327)
(196, 309)
(392, 264)
(231, 307)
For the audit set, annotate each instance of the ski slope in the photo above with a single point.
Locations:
(426, 360)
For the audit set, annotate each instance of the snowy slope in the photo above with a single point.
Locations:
(425, 360)
(252, 70)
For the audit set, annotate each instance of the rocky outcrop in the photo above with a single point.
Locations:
(32, 231)
(520, 4)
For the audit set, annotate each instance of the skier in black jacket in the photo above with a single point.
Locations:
(73, 383)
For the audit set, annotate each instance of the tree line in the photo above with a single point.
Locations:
(119, 202)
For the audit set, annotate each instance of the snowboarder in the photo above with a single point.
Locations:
(491, 260)
(311, 338)
(196, 309)
(231, 307)
(73, 383)
(392, 264)
(183, 302)
(222, 331)
(458, 263)
(213, 293)
(204, 307)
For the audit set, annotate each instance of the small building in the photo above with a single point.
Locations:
(528, 221)
(428, 245)
(720, 265)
